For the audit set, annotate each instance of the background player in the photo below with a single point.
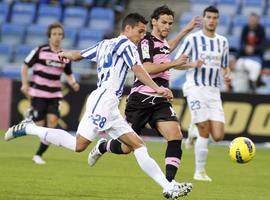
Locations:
(44, 86)
(202, 85)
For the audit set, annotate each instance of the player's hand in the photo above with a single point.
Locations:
(75, 86)
(194, 23)
(165, 92)
(62, 57)
(181, 60)
(24, 89)
(227, 79)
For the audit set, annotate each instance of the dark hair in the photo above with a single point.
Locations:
(212, 9)
(54, 25)
(133, 19)
(162, 10)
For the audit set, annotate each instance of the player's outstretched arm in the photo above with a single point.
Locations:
(71, 55)
(153, 68)
(197, 63)
(195, 22)
(145, 78)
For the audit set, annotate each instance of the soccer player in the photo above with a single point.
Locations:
(202, 85)
(44, 86)
(144, 105)
(114, 58)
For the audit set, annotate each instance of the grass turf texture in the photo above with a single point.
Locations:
(66, 176)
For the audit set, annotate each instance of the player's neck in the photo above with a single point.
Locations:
(55, 48)
(209, 33)
(154, 33)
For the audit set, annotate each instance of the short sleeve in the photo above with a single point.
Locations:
(32, 57)
(225, 55)
(185, 48)
(145, 49)
(90, 53)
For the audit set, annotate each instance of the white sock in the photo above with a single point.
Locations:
(57, 137)
(201, 151)
(150, 167)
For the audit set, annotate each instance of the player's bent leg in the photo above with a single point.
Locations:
(81, 143)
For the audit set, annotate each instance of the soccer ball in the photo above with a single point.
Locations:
(242, 150)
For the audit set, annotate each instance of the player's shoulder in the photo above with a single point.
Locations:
(221, 37)
(193, 34)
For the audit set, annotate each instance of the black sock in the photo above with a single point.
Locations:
(172, 157)
(114, 146)
(42, 148)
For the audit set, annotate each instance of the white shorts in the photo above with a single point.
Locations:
(102, 115)
(205, 104)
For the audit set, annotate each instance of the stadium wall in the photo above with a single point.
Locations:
(246, 115)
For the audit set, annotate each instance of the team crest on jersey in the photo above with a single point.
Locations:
(145, 49)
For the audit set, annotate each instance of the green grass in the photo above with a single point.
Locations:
(66, 176)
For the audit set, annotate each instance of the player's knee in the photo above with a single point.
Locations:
(203, 128)
(80, 149)
(217, 138)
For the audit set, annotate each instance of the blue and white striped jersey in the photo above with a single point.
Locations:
(114, 57)
(213, 51)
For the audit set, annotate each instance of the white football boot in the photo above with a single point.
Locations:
(95, 154)
(201, 176)
(193, 133)
(177, 190)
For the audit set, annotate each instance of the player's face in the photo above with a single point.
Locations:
(136, 33)
(210, 21)
(163, 26)
(56, 37)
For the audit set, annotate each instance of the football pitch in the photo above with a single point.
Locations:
(66, 176)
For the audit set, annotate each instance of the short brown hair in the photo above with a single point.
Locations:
(55, 25)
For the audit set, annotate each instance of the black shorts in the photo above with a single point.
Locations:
(142, 109)
(40, 107)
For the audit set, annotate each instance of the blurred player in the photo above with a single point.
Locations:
(144, 105)
(114, 58)
(44, 86)
(202, 85)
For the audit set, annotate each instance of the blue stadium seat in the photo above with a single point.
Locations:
(20, 52)
(4, 11)
(238, 22)
(265, 21)
(228, 7)
(23, 13)
(12, 34)
(36, 35)
(48, 14)
(184, 19)
(102, 19)
(75, 17)
(253, 6)
(5, 54)
(224, 24)
(197, 6)
(70, 38)
(234, 42)
(88, 37)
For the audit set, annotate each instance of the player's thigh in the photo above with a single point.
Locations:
(204, 128)
(137, 113)
(39, 108)
(217, 130)
(170, 130)
(132, 140)
(198, 108)
(53, 112)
